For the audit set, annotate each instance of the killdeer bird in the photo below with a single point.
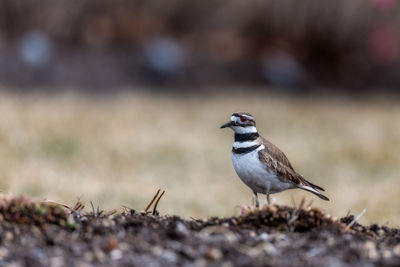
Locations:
(260, 164)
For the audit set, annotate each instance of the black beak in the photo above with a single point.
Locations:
(228, 124)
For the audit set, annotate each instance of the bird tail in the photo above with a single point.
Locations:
(315, 186)
(306, 185)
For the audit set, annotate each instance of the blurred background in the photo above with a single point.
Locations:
(109, 100)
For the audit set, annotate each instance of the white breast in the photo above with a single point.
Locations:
(255, 174)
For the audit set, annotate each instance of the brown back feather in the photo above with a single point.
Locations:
(277, 161)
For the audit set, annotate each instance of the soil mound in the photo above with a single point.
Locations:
(36, 233)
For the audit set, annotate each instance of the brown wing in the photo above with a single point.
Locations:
(277, 161)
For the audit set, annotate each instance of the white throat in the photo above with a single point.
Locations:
(244, 130)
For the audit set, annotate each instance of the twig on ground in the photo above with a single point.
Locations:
(56, 203)
(356, 218)
(295, 213)
(151, 202)
(128, 210)
(156, 198)
(155, 205)
(91, 204)
(76, 208)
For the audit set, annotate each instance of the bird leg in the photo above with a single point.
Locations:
(268, 199)
(256, 199)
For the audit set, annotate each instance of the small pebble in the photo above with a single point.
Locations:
(116, 254)
(387, 254)
(9, 236)
(396, 250)
(264, 236)
(182, 229)
(371, 250)
(213, 254)
(270, 249)
(3, 252)
(169, 256)
(380, 232)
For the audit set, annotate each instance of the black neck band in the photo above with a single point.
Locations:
(245, 149)
(246, 137)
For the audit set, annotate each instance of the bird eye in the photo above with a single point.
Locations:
(243, 119)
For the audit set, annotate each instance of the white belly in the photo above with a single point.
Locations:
(255, 174)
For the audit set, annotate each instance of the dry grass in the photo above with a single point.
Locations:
(118, 150)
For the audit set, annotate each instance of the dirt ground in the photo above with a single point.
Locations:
(45, 234)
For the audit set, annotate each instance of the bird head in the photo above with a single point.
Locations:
(241, 123)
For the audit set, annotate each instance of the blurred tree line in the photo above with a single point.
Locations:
(285, 43)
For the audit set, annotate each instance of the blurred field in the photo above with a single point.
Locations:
(118, 150)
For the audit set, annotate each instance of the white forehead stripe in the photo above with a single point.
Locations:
(244, 130)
